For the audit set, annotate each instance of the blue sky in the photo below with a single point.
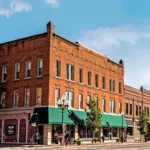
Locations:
(119, 29)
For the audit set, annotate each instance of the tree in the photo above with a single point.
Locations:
(94, 117)
(143, 123)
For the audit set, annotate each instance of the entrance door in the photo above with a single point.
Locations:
(41, 133)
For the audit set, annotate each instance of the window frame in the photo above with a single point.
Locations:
(57, 90)
(26, 69)
(25, 100)
(104, 83)
(37, 96)
(58, 68)
(38, 67)
(16, 102)
(89, 78)
(80, 101)
(80, 75)
(96, 80)
(4, 73)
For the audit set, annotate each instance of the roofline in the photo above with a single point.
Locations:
(62, 38)
(145, 90)
(23, 39)
(115, 63)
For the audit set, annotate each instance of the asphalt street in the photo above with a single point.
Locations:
(140, 146)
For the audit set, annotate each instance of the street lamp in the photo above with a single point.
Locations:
(122, 114)
(63, 104)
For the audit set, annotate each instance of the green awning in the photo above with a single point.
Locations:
(52, 115)
(113, 121)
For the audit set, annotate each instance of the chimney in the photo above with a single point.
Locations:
(50, 28)
(121, 62)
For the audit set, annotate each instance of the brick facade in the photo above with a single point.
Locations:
(51, 47)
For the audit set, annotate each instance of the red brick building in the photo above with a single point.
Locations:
(136, 100)
(37, 71)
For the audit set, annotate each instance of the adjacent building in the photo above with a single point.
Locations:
(37, 71)
(136, 100)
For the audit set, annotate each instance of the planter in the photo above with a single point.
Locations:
(78, 142)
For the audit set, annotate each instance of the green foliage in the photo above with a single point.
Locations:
(94, 117)
(143, 123)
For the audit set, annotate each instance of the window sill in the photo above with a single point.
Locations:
(57, 77)
(89, 86)
(39, 76)
(97, 88)
(15, 107)
(27, 78)
(16, 80)
(70, 80)
(26, 106)
(81, 83)
(3, 81)
(103, 89)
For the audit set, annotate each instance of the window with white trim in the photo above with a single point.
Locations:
(28, 69)
(89, 78)
(70, 72)
(80, 101)
(70, 98)
(16, 98)
(39, 67)
(38, 96)
(58, 63)
(103, 83)
(17, 71)
(81, 75)
(27, 97)
(4, 73)
(120, 107)
(57, 96)
(96, 81)
(103, 105)
(112, 85)
(88, 99)
(112, 106)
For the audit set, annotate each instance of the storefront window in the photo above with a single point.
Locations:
(57, 132)
(130, 131)
(11, 130)
(106, 132)
(84, 132)
(114, 132)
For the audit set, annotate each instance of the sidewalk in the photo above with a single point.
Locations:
(74, 145)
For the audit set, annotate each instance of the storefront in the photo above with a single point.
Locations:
(110, 127)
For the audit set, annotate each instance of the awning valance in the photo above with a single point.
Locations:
(52, 115)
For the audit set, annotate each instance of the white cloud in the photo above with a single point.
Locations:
(53, 3)
(14, 7)
(132, 44)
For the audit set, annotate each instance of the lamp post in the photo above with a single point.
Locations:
(122, 114)
(63, 104)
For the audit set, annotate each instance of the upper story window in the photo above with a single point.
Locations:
(120, 88)
(112, 106)
(70, 72)
(103, 105)
(28, 69)
(130, 109)
(137, 111)
(27, 97)
(57, 96)
(39, 67)
(70, 98)
(89, 78)
(4, 73)
(103, 83)
(80, 101)
(120, 107)
(38, 96)
(112, 85)
(96, 81)
(97, 102)
(17, 71)
(140, 109)
(81, 75)
(16, 98)
(58, 68)
(147, 112)
(127, 109)
(88, 99)
(2, 99)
